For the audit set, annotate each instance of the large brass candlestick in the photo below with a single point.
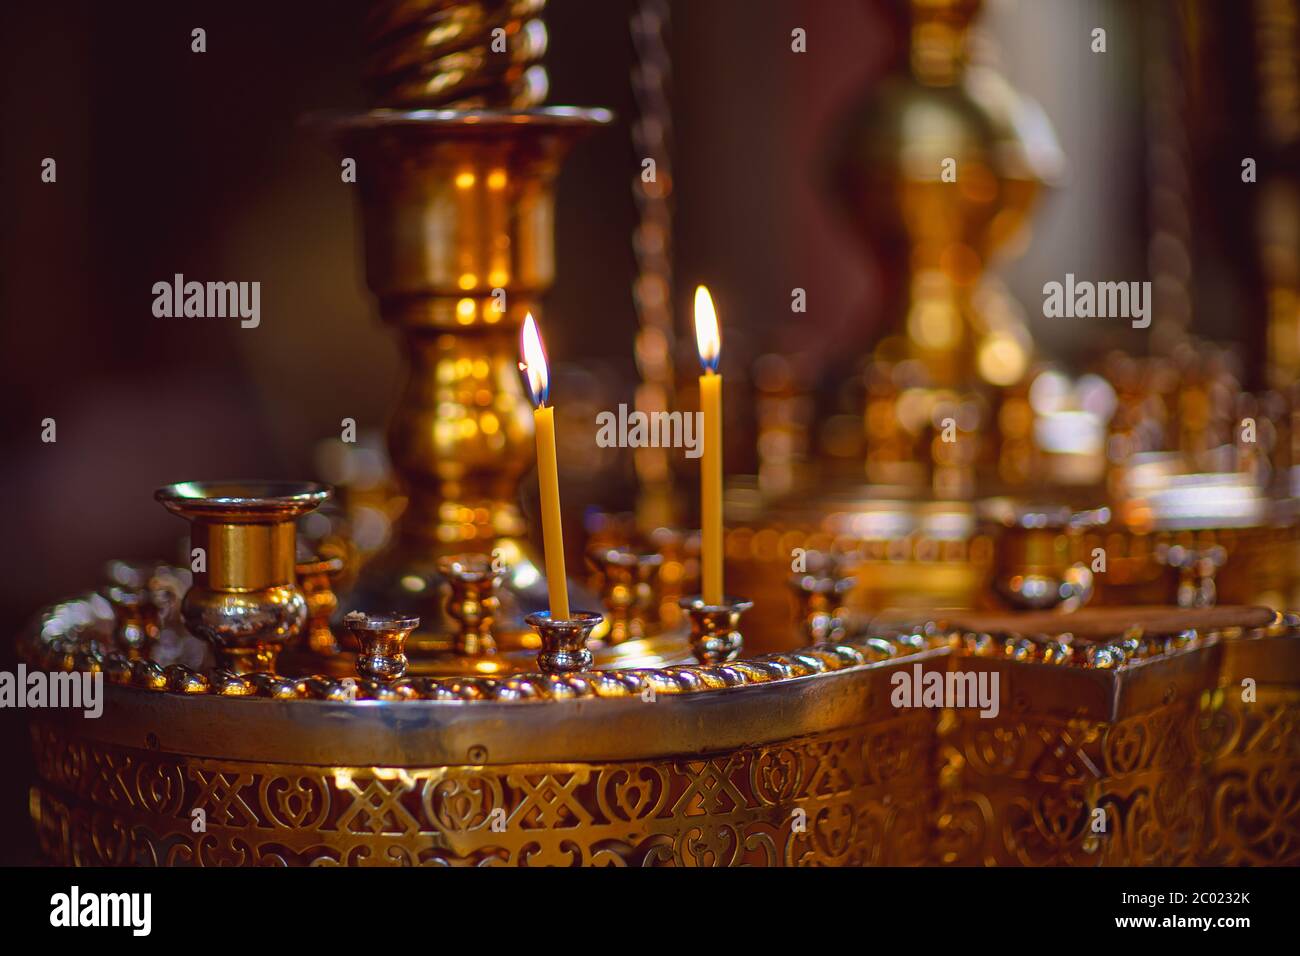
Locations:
(457, 212)
(938, 166)
(245, 600)
(459, 237)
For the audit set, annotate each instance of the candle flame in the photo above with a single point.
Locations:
(707, 338)
(534, 361)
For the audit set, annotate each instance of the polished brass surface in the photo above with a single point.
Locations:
(69, 637)
(745, 807)
(1098, 624)
(382, 642)
(1151, 760)
(245, 599)
(564, 641)
(1115, 750)
(715, 628)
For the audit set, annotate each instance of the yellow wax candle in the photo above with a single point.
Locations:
(548, 480)
(710, 344)
(548, 473)
(711, 488)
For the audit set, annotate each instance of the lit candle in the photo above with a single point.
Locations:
(709, 342)
(548, 478)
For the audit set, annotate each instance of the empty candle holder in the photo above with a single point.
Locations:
(564, 640)
(1034, 568)
(715, 628)
(473, 603)
(1196, 572)
(137, 616)
(820, 594)
(629, 590)
(382, 639)
(245, 600)
(679, 575)
(318, 577)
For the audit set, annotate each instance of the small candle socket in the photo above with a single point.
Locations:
(564, 640)
(629, 590)
(473, 602)
(715, 628)
(316, 578)
(820, 593)
(136, 624)
(382, 639)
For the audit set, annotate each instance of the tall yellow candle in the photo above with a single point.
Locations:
(548, 474)
(709, 342)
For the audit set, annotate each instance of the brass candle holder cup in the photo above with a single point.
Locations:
(135, 626)
(473, 603)
(1196, 568)
(629, 590)
(245, 600)
(715, 628)
(820, 595)
(143, 597)
(318, 577)
(679, 575)
(564, 641)
(1034, 567)
(382, 639)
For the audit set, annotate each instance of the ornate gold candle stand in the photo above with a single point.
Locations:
(784, 759)
(139, 601)
(317, 576)
(473, 602)
(1120, 750)
(1123, 735)
(629, 591)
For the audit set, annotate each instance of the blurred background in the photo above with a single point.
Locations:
(174, 162)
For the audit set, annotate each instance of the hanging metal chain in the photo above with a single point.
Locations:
(652, 290)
